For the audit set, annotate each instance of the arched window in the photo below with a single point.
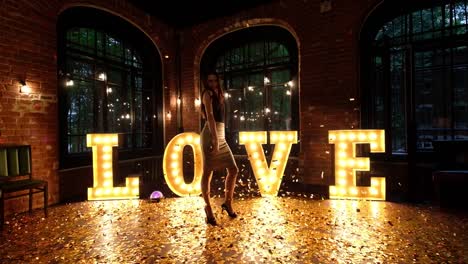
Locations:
(259, 70)
(109, 81)
(415, 74)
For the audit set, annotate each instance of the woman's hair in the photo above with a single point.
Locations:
(205, 86)
(205, 79)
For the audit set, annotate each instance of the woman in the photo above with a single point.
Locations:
(216, 152)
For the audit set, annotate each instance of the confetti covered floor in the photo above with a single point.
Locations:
(268, 230)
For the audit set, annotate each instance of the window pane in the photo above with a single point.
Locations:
(220, 64)
(235, 117)
(432, 121)
(112, 99)
(280, 101)
(255, 71)
(440, 75)
(237, 58)
(146, 119)
(80, 115)
(80, 70)
(461, 103)
(460, 97)
(426, 16)
(137, 62)
(437, 21)
(118, 97)
(459, 16)
(397, 66)
(423, 24)
(81, 105)
(397, 27)
(114, 76)
(114, 48)
(83, 39)
(237, 82)
(417, 22)
(138, 102)
(448, 15)
(254, 107)
(277, 53)
(256, 57)
(377, 94)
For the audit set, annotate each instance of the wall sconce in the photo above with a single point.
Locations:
(168, 115)
(24, 88)
(69, 83)
(179, 101)
(197, 102)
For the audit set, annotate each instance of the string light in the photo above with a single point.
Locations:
(102, 76)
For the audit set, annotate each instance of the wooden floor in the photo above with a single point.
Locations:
(268, 230)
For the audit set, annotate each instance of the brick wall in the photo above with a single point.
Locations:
(328, 72)
(28, 52)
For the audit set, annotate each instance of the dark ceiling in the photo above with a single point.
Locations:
(182, 14)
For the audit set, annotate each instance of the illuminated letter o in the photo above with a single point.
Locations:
(173, 166)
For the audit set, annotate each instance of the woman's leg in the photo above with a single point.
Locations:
(230, 185)
(205, 187)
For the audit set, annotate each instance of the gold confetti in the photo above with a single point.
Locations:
(268, 230)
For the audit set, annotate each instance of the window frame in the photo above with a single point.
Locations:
(369, 48)
(244, 39)
(106, 23)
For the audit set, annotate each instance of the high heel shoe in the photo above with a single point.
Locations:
(210, 220)
(224, 207)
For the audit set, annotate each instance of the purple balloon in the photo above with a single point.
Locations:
(156, 195)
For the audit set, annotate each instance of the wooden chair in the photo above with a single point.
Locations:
(16, 176)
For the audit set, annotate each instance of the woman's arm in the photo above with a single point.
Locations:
(210, 119)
